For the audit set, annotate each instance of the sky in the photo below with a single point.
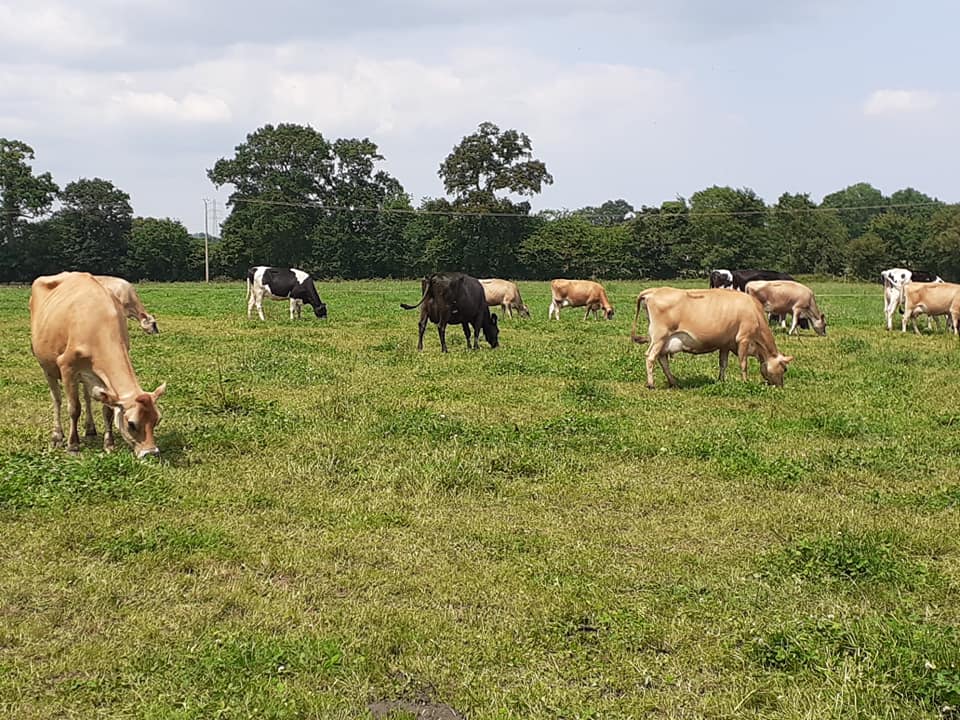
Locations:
(640, 100)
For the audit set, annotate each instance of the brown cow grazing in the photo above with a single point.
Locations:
(79, 336)
(932, 298)
(127, 296)
(702, 321)
(579, 293)
(505, 294)
(781, 297)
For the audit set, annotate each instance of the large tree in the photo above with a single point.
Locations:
(941, 249)
(23, 195)
(299, 199)
(808, 240)
(160, 249)
(727, 228)
(489, 161)
(856, 205)
(658, 245)
(612, 212)
(94, 226)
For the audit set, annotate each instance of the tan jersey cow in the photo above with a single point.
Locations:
(579, 293)
(933, 298)
(505, 294)
(702, 321)
(127, 296)
(782, 297)
(79, 336)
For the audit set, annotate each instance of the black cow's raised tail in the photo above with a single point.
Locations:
(411, 307)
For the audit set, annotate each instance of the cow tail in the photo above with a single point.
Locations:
(426, 291)
(641, 339)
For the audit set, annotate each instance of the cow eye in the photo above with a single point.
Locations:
(131, 426)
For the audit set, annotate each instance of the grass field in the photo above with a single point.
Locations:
(340, 523)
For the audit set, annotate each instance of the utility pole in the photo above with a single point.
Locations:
(206, 241)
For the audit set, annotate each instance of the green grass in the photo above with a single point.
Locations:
(339, 522)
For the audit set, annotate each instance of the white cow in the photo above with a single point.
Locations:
(894, 280)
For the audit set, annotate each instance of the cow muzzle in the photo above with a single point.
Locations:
(148, 452)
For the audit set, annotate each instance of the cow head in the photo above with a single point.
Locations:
(820, 324)
(524, 311)
(136, 418)
(608, 312)
(148, 324)
(320, 309)
(774, 367)
(491, 331)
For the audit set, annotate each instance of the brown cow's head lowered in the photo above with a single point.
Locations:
(773, 369)
(136, 418)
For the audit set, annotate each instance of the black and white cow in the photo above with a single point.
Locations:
(894, 280)
(282, 284)
(721, 279)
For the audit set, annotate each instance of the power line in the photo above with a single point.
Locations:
(652, 212)
(642, 214)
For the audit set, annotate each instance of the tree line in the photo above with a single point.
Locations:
(299, 199)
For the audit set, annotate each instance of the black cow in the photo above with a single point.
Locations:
(282, 284)
(451, 298)
(742, 277)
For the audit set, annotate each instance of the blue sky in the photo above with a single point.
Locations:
(637, 100)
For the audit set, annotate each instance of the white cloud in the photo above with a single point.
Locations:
(894, 102)
(54, 28)
(192, 107)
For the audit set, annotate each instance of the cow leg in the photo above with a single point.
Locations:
(108, 428)
(913, 319)
(442, 331)
(258, 299)
(553, 309)
(293, 308)
(793, 322)
(251, 302)
(743, 357)
(653, 353)
(892, 301)
(724, 359)
(466, 333)
(56, 437)
(91, 428)
(422, 328)
(664, 360)
(70, 387)
(587, 315)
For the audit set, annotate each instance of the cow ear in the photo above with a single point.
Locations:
(786, 359)
(493, 318)
(105, 396)
(159, 391)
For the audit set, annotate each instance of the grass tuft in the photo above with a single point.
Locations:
(851, 557)
(54, 478)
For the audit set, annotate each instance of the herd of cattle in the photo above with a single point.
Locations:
(78, 325)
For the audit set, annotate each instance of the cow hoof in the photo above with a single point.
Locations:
(651, 386)
(56, 442)
(108, 448)
(92, 432)
(73, 450)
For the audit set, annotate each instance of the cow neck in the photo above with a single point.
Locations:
(765, 345)
(119, 379)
